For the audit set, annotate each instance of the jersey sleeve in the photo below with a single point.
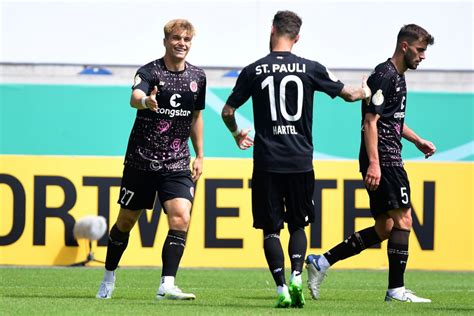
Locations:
(381, 86)
(325, 81)
(200, 103)
(142, 81)
(242, 90)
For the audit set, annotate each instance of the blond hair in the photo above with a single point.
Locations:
(179, 24)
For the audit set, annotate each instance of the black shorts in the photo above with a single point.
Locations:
(273, 192)
(138, 189)
(393, 191)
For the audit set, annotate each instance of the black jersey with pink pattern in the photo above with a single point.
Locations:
(282, 87)
(389, 96)
(159, 140)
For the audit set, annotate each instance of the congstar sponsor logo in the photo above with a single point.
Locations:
(174, 102)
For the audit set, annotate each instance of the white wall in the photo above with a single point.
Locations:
(339, 33)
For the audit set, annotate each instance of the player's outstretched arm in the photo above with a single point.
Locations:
(351, 94)
(241, 137)
(141, 101)
(425, 146)
(197, 127)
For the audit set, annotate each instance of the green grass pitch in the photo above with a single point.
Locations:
(71, 291)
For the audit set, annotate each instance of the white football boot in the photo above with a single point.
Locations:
(173, 293)
(105, 290)
(316, 275)
(404, 295)
(107, 285)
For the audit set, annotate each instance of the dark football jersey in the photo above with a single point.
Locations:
(159, 141)
(282, 88)
(389, 96)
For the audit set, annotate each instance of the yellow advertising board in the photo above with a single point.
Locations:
(41, 197)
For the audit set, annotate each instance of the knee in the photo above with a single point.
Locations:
(127, 219)
(271, 233)
(384, 231)
(179, 222)
(383, 227)
(125, 224)
(179, 213)
(404, 222)
(407, 222)
(293, 229)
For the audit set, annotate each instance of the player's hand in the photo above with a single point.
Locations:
(151, 102)
(426, 147)
(243, 140)
(372, 178)
(368, 92)
(197, 168)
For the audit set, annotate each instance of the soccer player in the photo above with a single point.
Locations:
(169, 94)
(382, 169)
(282, 87)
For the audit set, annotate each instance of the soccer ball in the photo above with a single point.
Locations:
(90, 227)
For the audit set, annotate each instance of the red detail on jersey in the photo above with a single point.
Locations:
(193, 86)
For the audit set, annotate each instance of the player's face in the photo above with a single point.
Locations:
(178, 44)
(415, 53)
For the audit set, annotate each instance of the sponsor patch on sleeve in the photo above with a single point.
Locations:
(136, 80)
(378, 98)
(332, 76)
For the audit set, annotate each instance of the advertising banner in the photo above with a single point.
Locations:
(41, 198)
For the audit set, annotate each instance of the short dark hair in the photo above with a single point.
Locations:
(412, 33)
(287, 23)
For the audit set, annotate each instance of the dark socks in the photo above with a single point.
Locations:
(353, 245)
(117, 244)
(397, 251)
(297, 249)
(275, 257)
(172, 252)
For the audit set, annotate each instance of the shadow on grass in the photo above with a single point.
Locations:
(255, 298)
(48, 296)
(452, 309)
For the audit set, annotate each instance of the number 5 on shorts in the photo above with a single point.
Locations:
(124, 196)
(403, 192)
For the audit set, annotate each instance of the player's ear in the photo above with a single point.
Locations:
(404, 46)
(297, 38)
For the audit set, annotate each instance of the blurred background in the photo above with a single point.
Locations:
(66, 68)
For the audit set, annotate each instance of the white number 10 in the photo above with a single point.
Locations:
(271, 94)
